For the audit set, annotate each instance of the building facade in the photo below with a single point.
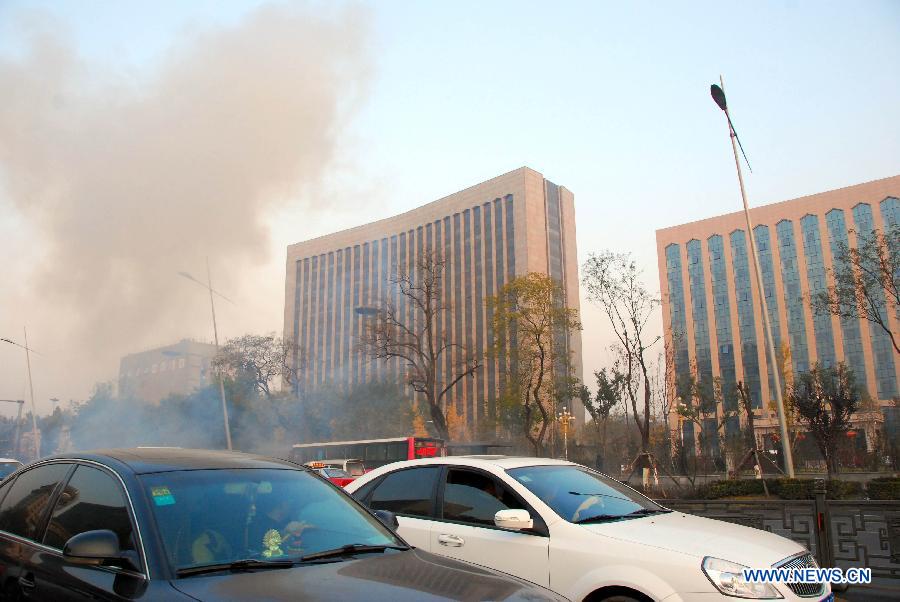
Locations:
(487, 234)
(177, 369)
(711, 310)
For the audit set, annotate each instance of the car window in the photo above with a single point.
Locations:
(7, 468)
(23, 509)
(92, 499)
(259, 514)
(407, 492)
(475, 497)
(356, 469)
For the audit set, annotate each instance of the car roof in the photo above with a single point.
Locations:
(143, 460)
(484, 461)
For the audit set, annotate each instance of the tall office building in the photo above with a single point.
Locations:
(711, 310)
(487, 234)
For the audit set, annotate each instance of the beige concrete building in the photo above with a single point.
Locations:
(711, 309)
(177, 369)
(508, 226)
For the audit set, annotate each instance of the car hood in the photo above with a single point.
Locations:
(394, 576)
(698, 536)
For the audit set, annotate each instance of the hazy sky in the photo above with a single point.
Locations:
(609, 99)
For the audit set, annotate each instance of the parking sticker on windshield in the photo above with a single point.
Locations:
(162, 496)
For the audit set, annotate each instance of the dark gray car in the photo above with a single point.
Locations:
(148, 524)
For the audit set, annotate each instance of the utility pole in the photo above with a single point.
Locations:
(212, 306)
(208, 286)
(34, 429)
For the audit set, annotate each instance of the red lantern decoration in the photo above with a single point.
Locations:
(851, 434)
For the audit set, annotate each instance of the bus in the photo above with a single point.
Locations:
(372, 452)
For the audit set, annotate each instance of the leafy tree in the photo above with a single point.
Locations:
(420, 342)
(866, 281)
(608, 394)
(528, 319)
(825, 399)
(614, 282)
(262, 360)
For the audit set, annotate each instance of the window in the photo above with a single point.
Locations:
(23, 509)
(474, 497)
(406, 491)
(92, 499)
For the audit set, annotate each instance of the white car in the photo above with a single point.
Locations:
(580, 533)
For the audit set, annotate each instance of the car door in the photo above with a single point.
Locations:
(92, 499)
(410, 494)
(23, 516)
(464, 529)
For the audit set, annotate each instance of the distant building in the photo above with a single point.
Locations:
(713, 319)
(488, 234)
(177, 369)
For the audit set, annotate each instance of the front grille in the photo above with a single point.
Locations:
(803, 561)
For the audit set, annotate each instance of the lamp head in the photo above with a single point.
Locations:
(718, 95)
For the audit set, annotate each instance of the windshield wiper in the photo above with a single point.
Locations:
(245, 564)
(609, 517)
(350, 549)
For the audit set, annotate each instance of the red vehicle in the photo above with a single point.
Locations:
(372, 452)
(336, 475)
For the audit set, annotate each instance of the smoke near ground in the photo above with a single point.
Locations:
(111, 183)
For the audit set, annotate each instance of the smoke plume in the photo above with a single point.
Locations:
(111, 183)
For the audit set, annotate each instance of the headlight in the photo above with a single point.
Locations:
(729, 579)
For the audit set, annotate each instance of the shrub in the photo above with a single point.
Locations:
(884, 488)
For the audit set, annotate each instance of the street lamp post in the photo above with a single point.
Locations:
(718, 95)
(565, 419)
(208, 286)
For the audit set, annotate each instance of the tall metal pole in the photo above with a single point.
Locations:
(21, 403)
(773, 366)
(216, 336)
(34, 430)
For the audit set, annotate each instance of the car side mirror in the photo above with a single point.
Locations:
(517, 520)
(388, 518)
(92, 547)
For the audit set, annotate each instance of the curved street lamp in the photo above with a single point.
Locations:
(718, 96)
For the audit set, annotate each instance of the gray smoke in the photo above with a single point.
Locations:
(115, 184)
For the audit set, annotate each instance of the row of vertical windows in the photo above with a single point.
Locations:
(882, 348)
(793, 297)
(478, 247)
(719, 280)
(698, 306)
(850, 330)
(677, 308)
(815, 277)
(794, 301)
(763, 246)
(743, 292)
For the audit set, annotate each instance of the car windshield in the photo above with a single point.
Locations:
(262, 514)
(7, 468)
(336, 473)
(580, 495)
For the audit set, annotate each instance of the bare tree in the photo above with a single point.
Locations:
(419, 341)
(614, 282)
(528, 318)
(866, 281)
(261, 360)
(825, 399)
